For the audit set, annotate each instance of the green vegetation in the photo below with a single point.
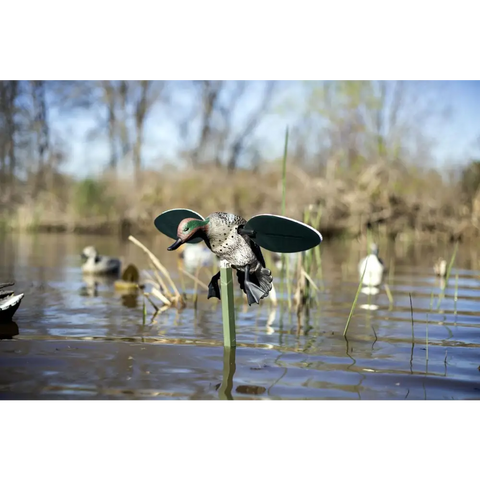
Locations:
(90, 197)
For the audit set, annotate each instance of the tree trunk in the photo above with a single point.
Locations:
(140, 114)
(3, 151)
(124, 139)
(44, 174)
(112, 124)
(12, 91)
(210, 92)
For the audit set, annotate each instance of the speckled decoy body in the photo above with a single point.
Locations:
(221, 233)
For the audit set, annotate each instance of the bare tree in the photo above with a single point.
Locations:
(124, 137)
(3, 136)
(227, 113)
(10, 124)
(247, 131)
(42, 135)
(148, 94)
(210, 93)
(223, 134)
(110, 101)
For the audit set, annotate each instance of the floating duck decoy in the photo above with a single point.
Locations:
(292, 259)
(96, 264)
(440, 267)
(237, 243)
(9, 302)
(130, 280)
(373, 268)
(194, 256)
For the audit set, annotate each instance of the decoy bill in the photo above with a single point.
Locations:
(237, 243)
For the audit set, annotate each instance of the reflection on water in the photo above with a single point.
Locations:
(225, 390)
(78, 338)
(8, 330)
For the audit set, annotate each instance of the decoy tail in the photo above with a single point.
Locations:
(256, 285)
(266, 280)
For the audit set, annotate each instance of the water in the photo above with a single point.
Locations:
(72, 339)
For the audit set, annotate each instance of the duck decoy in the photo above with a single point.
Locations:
(9, 302)
(440, 267)
(277, 259)
(237, 243)
(99, 264)
(373, 268)
(130, 280)
(194, 256)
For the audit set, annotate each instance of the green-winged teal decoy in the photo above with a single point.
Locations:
(373, 268)
(96, 264)
(9, 302)
(237, 243)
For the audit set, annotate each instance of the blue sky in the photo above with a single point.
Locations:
(461, 134)
(456, 138)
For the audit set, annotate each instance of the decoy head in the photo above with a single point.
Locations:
(374, 249)
(89, 252)
(188, 228)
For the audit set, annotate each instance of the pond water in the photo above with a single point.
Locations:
(73, 339)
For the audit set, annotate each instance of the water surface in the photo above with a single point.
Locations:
(73, 338)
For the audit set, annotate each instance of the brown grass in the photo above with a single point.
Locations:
(393, 200)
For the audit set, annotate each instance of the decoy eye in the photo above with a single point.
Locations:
(185, 229)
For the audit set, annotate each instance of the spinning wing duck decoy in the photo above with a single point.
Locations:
(237, 242)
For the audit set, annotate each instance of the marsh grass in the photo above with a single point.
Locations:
(163, 287)
(144, 312)
(426, 327)
(285, 275)
(456, 294)
(195, 288)
(317, 250)
(354, 302)
(389, 294)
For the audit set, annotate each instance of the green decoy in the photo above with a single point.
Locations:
(237, 243)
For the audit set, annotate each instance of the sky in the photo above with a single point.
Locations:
(456, 139)
(461, 134)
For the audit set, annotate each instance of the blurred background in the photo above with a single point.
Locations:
(107, 156)
(89, 162)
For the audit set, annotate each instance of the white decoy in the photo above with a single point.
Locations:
(373, 268)
(440, 267)
(292, 259)
(99, 264)
(197, 255)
